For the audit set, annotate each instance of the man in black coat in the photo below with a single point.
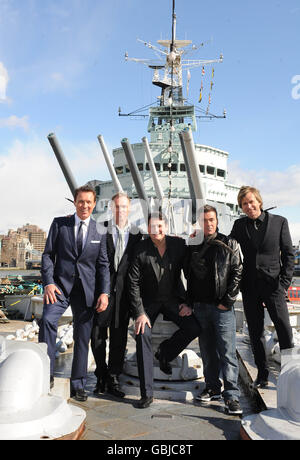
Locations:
(121, 240)
(268, 268)
(155, 287)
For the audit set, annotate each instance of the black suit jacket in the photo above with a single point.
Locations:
(118, 310)
(143, 277)
(273, 260)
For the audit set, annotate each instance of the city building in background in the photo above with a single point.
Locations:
(22, 248)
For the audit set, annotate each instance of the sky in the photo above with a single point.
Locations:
(62, 70)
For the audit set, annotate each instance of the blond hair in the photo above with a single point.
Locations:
(120, 195)
(248, 189)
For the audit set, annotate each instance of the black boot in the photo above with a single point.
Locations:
(144, 402)
(100, 385)
(113, 386)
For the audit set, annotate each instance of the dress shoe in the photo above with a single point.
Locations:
(164, 365)
(145, 402)
(113, 387)
(100, 386)
(79, 395)
(260, 383)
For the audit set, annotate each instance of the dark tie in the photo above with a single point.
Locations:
(79, 240)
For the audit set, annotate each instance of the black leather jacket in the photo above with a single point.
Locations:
(227, 270)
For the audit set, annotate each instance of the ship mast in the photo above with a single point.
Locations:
(172, 57)
(172, 115)
(167, 74)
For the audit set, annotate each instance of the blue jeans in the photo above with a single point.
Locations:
(217, 342)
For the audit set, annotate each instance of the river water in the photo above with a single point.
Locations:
(16, 271)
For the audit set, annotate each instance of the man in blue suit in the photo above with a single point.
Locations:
(75, 271)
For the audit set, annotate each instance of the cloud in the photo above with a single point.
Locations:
(70, 40)
(56, 76)
(87, 161)
(15, 122)
(278, 188)
(295, 232)
(32, 186)
(3, 83)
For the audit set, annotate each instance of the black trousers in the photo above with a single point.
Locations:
(275, 303)
(117, 347)
(188, 330)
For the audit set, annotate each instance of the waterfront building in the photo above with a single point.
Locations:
(20, 246)
(35, 235)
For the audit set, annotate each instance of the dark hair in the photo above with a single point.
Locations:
(209, 208)
(158, 215)
(84, 188)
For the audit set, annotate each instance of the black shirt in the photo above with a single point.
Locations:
(257, 229)
(202, 275)
(164, 276)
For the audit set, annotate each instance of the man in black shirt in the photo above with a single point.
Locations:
(268, 268)
(213, 272)
(155, 287)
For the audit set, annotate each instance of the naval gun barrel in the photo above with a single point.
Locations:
(188, 141)
(62, 162)
(136, 177)
(157, 186)
(189, 178)
(134, 170)
(116, 182)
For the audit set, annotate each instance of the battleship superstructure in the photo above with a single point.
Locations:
(170, 117)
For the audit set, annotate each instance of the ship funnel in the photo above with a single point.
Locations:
(157, 186)
(62, 162)
(193, 165)
(116, 182)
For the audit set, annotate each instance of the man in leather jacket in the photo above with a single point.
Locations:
(155, 286)
(213, 272)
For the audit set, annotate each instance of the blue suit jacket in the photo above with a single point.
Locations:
(60, 260)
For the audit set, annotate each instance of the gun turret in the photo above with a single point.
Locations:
(62, 162)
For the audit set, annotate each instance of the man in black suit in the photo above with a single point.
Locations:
(155, 287)
(268, 268)
(75, 271)
(121, 239)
